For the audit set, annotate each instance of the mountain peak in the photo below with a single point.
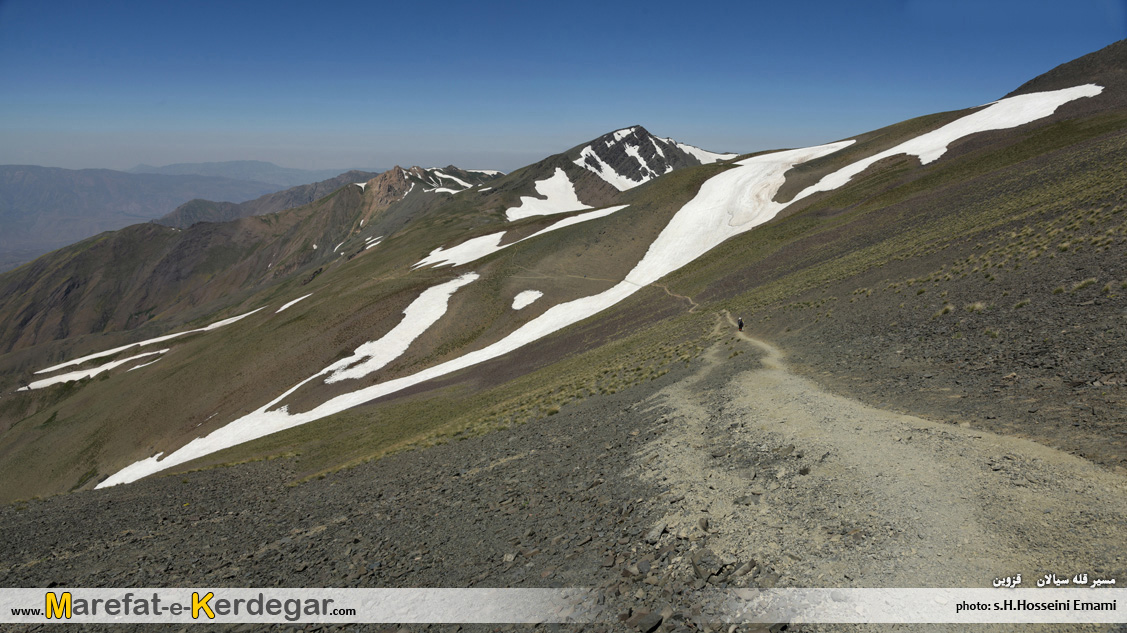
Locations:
(631, 156)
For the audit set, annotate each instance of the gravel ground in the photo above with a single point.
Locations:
(727, 472)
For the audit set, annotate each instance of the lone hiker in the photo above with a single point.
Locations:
(740, 323)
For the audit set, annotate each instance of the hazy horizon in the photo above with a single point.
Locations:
(496, 85)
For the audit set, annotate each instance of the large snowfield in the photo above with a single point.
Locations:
(728, 204)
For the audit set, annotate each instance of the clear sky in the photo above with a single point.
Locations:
(499, 84)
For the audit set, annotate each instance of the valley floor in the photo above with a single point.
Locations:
(759, 477)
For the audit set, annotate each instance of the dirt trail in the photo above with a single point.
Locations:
(824, 491)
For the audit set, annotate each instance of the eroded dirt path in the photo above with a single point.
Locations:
(823, 491)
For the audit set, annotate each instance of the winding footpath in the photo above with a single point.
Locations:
(836, 493)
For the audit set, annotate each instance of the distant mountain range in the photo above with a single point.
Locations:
(256, 170)
(200, 210)
(45, 208)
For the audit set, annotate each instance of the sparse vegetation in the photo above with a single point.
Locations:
(1083, 284)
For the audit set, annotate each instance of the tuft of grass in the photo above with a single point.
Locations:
(1080, 285)
(1021, 304)
(976, 307)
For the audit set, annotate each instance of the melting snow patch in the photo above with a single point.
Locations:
(423, 312)
(484, 190)
(293, 302)
(86, 373)
(560, 194)
(526, 298)
(464, 184)
(487, 172)
(361, 184)
(1000, 115)
(159, 339)
(621, 134)
(465, 252)
(143, 365)
(704, 156)
(375, 242)
(478, 247)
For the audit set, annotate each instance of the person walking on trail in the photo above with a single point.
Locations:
(740, 323)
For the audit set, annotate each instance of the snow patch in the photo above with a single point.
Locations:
(361, 185)
(465, 252)
(293, 302)
(704, 156)
(526, 298)
(86, 373)
(142, 365)
(478, 247)
(604, 171)
(623, 133)
(560, 194)
(159, 339)
(465, 185)
(487, 172)
(423, 312)
(999, 115)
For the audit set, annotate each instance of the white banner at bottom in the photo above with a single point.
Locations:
(529, 606)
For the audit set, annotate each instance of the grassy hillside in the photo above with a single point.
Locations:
(984, 288)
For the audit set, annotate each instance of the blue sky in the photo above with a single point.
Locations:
(499, 84)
